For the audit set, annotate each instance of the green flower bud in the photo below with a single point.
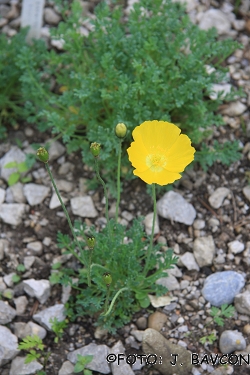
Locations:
(121, 130)
(107, 278)
(95, 148)
(43, 155)
(91, 242)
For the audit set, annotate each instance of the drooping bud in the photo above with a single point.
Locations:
(43, 155)
(107, 278)
(121, 130)
(95, 148)
(91, 242)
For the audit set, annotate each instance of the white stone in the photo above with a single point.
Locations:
(204, 250)
(246, 192)
(216, 199)
(7, 313)
(13, 155)
(19, 367)
(242, 303)
(83, 206)
(2, 195)
(12, 213)
(170, 282)
(55, 203)
(215, 18)
(35, 194)
(45, 316)
(234, 109)
(218, 89)
(160, 301)
(188, 260)
(51, 17)
(36, 247)
(8, 345)
(123, 367)
(99, 362)
(66, 369)
(174, 207)
(236, 247)
(37, 288)
(17, 193)
(148, 222)
(21, 304)
(58, 43)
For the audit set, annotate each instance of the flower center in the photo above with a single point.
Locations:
(156, 162)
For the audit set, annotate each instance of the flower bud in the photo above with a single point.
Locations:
(95, 148)
(43, 155)
(121, 130)
(91, 242)
(107, 278)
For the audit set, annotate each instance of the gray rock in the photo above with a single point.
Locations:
(4, 247)
(236, 247)
(35, 194)
(234, 109)
(30, 329)
(44, 317)
(2, 195)
(19, 367)
(246, 192)
(99, 362)
(64, 185)
(37, 288)
(29, 261)
(169, 282)
(242, 303)
(154, 343)
(215, 18)
(188, 260)
(2, 285)
(204, 250)
(21, 304)
(17, 193)
(13, 155)
(123, 367)
(55, 203)
(231, 341)
(174, 207)
(8, 345)
(148, 222)
(83, 206)
(7, 313)
(8, 279)
(12, 213)
(216, 199)
(66, 369)
(51, 17)
(217, 89)
(222, 287)
(55, 149)
(35, 247)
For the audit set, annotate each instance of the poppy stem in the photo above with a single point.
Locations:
(67, 216)
(150, 247)
(118, 180)
(105, 194)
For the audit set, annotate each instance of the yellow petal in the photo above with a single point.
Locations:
(160, 134)
(137, 155)
(160, 178)
(180, 154)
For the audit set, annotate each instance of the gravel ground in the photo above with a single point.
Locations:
(217, 239)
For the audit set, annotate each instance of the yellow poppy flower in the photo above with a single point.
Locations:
(159, 152)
